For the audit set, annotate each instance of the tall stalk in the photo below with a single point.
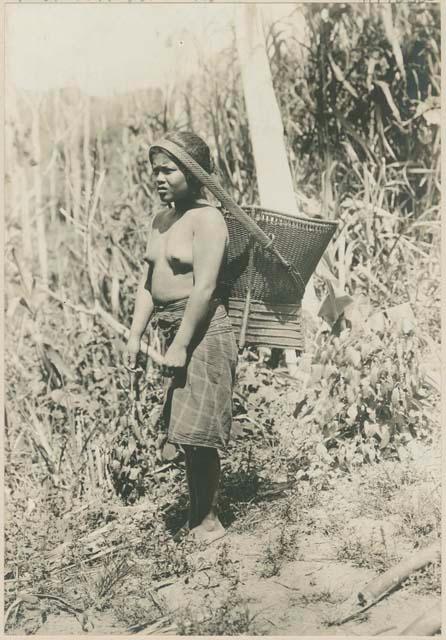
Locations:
(88, 170)
(75, 166)
(38, 196)
(27, 235)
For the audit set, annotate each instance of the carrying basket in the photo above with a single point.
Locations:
(263, 296)
(271, 257)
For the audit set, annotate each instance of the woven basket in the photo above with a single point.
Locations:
(264, 299)
(270, 260)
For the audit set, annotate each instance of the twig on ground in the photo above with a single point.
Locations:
(148, 626)
(155, 602)
(309, 573)
(164, 467)
(60, 601)
(380, 631)
(287, 586)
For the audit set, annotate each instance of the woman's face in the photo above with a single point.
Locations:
(170, 180)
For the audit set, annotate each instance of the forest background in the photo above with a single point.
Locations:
(358, 89)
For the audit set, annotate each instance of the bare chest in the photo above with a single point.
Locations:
(171, 243)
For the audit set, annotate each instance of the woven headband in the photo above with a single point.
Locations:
(211, 183)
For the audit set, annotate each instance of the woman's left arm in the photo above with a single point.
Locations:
(210, 236)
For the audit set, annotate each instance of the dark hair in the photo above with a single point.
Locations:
(195, 147)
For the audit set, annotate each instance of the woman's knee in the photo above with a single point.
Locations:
(201, 453)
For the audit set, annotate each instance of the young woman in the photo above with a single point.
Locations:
(180, 287)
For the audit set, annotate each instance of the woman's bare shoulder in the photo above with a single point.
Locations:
(209, 216)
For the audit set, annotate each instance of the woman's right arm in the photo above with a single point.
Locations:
(141, 315)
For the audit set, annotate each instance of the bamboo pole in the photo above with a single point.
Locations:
(393, 577)
(384, 584)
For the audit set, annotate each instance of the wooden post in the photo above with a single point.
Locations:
(265, 123)
(274, 178)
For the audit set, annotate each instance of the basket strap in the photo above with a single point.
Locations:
(211, 183)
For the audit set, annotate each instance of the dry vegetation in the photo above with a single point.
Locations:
(346, 449)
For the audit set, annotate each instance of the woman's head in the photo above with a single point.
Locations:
(163, 160)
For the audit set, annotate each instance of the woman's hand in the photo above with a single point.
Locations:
(175, 357)
(131, 353)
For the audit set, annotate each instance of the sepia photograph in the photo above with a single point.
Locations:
(222, 319)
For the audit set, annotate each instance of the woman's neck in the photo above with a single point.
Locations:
(183, 205)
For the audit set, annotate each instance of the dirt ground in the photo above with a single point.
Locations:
(292, 566)
(301, 599)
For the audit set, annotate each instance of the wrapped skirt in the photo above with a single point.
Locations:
(198, 401)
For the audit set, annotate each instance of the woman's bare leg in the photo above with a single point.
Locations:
(192, 518)
(204, 470)
(191, 483)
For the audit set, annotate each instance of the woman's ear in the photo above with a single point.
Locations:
(194, 185)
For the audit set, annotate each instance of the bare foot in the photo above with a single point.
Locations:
(208, 531)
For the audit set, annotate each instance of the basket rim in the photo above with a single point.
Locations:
(287, 216)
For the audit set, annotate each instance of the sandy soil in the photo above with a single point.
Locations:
(300, 600)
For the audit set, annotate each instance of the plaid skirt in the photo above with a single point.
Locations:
(198, 401)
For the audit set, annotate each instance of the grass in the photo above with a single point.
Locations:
(122, 585)
(62, 436)
(370, 554)
(322, 596)
(276, 553)
(230, 617)
(394, 508)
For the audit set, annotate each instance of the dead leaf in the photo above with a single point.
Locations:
(334, 304)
